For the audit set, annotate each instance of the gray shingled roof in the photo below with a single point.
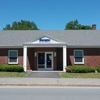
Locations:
(71, 37)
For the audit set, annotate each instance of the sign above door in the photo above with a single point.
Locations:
(44, 40)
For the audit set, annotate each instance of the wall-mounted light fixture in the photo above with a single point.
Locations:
(55, 54)
(35, 54)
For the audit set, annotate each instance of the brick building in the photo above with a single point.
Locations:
(50, 50)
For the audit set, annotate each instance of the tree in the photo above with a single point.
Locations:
(21, 25)
(74, 25)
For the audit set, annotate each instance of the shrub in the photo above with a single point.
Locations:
(68, 70)
(81, 69)
(11, 68)
(98, 69)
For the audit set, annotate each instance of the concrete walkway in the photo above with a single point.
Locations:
(49, 82)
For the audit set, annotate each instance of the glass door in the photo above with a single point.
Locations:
(45, 61)
(49, 60)
(41, 60)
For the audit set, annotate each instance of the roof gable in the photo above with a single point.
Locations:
(45, 39)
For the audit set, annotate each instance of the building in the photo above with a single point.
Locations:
(50, 50)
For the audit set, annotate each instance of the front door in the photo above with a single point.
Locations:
(45, 61)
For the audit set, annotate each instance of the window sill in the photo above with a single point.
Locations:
(78, 62)
(13, 63)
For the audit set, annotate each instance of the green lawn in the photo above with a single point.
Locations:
(80, 75)
(12, 74)
(62, 74)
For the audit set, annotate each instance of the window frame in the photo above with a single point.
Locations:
(82, 57)
(9, 57)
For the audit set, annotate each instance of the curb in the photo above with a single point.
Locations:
(74, 85)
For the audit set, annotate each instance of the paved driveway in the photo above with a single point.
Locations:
(44, 75)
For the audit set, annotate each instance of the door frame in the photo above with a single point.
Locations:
(45, 68)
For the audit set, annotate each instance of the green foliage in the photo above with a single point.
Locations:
(12, 74)
(74, 25)
(21, 25)
(81, 69)
(11, 68)
(80, 75)
(98, 69)
(69, 70)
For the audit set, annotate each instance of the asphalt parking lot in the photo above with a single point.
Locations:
(44, 75)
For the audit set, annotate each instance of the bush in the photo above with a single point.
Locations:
(68, 69)
(98, 69)
(81, 69)
(11, 68)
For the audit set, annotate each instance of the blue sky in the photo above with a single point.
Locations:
(50, 14)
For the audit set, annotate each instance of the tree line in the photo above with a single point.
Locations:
(28, 25)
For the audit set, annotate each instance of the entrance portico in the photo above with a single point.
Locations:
(45, 59)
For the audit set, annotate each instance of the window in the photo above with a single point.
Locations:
(78, 57)
(13, 57)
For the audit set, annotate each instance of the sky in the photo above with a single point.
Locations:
(50, 14)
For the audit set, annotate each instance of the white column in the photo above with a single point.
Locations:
(64, 58)
(25, 58)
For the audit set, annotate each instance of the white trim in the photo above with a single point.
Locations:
(64, 58)
(82, 46)
(45, 45)
(82, 57)
(25, 58)
(9, 57)
(11, 47)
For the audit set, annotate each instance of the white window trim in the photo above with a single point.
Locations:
(82, 58)
(9, 56)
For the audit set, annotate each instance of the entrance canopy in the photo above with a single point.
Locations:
(44, 41)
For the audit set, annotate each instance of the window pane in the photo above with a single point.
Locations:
(78, 59)
(78, 53)
(13, 56)
(13, 53)
(41, 58)
(13, 59)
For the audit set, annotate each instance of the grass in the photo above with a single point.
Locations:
(80, 75)
(12, 74)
